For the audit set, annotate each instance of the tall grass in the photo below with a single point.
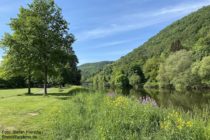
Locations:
(98, 116)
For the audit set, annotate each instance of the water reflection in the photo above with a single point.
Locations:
(186, 100)
(143, 97)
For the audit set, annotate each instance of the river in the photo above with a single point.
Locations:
(186, 100)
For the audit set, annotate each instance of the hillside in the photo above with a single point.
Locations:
(89, 69)
(188, 29)
(189, 32)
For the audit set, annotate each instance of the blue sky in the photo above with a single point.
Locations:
(107, 30)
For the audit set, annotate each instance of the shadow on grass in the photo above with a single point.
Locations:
(61, 95)
(31, 94)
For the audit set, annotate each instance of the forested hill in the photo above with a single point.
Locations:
(142, 64)
(89, 69)
(188, 30)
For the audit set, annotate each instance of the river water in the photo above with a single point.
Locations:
(186, 100)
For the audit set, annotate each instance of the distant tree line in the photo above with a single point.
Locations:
(178, 57)
(90, 69)
(38, 50)
(179, 69)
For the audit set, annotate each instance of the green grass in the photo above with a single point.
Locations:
(14, 92)
(32, 112)
(95, 116)
(98, 116)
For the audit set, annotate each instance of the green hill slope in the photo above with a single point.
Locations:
(188, 32)
(89, 69)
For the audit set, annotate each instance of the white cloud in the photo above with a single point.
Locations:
(138, 21)
(118, 52)
(114, 43)
(114, 29)
(176, 9)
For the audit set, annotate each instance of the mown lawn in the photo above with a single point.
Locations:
(15, 92)
(95, 116)
(31, 112)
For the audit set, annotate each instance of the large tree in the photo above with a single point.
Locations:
(151, 68)
(175, 71)
(202, 70)
(67, 73)
(21, 56)
(53, 39)
(40, 40)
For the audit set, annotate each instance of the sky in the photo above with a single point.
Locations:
(109, 29)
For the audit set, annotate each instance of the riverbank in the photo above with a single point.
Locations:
(87, 115)
(98, 116)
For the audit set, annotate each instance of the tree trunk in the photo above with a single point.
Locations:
(45, 81)
(29, 83)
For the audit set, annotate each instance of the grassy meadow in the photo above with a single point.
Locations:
(19, 111)
(86, 115)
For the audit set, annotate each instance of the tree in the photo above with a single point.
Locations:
(135, 81)
(202, 47)
(176, 46)
(202, 69)
(151, 68)
(53, 39)
(120, 80)
(180, 35)
(136, 76)
(67, 75)
(21, 57)
(40, 40)
(11, 74)
(175, 71)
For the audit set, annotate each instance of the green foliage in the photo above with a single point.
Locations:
(135, 81)
(191, 33)
(86, 115)
(202, 47)
(40, 46)
(99, 82)
(120, 80)
(13, 82)
(151, 68)
(68, 74)
(202, 69)
(89, 69)
(97, 116)
(176, 46)
(175, 71)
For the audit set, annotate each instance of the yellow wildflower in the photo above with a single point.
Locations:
(179, 127)
(180, 123)
(189, 124)
(165, 125)
(120, 101)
